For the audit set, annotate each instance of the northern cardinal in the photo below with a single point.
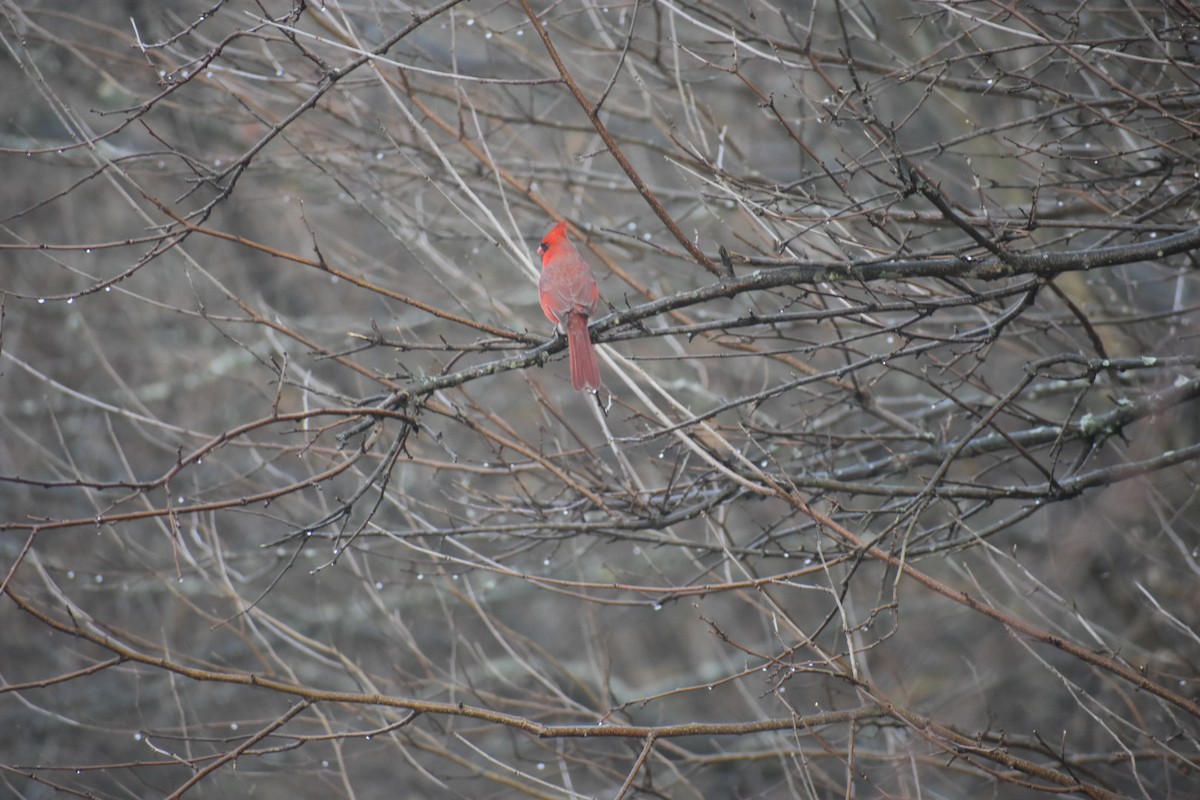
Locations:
(568, 294)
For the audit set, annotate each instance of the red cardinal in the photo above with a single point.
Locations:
(568, 293)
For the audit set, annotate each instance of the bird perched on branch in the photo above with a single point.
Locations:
(568, 294)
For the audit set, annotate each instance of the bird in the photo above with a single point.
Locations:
(568, 295)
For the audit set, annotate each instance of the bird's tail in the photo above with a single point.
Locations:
(585, 372)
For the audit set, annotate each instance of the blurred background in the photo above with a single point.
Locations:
(890, 491)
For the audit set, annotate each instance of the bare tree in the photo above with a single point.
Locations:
(890, 491)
